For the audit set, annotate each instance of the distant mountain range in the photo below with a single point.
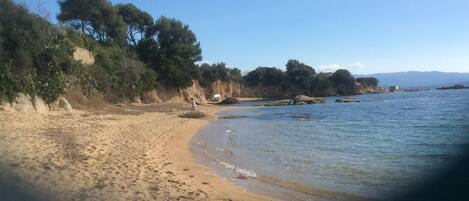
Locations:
(416, 79)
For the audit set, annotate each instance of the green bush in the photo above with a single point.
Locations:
(217, 72)
(9, 87)
(35, 55)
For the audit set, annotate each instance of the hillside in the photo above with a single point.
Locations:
(428, 79)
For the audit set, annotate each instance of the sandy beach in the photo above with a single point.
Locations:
(125, 153)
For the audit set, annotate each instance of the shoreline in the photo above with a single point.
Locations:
(276, 188)
(136, 152)
(201, 174)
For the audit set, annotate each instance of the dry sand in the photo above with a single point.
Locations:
(131, 153)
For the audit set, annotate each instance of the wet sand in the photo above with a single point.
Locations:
(129, 153)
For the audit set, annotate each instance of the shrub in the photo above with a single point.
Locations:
(9, 87)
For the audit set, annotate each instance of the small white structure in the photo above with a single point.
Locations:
(216, 97)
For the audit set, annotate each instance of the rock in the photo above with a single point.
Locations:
(229, 100)
(193, 115)
(61, 104)
(309, 100)
(137, 100)
(241, 177)
(39, 105)
(216, 98)
(83, 56)
(346, 100)
(150, 97)
(23, 104)
(278, 103)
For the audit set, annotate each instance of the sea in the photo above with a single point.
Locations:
(383, 146)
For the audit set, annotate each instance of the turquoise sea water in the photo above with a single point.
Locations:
(375, 149)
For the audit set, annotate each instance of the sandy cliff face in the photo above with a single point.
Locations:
(84, 56)
(181, 95)
(224, 88)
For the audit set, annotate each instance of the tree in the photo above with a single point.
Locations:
(138, 21)
(299, 75)
(35, 54)
(368, 81)
(265, 76)
(147, 49)
(96, 18)
(176, 52)
(343, 81)
(218, 72)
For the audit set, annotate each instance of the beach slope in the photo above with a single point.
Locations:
(131, 153)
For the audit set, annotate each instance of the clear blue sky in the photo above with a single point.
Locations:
(364, 36)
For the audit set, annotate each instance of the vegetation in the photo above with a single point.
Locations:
(218, 72)
(171, 50)
(368, 81)
(300, 78)
(35, 57)
(133, 54)
(265, 76)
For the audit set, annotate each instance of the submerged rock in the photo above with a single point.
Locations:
(346, 100)
(302, 117)
(279, 103)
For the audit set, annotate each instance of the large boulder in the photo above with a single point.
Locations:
(309, 100)
(83, 56)
(61, 104)
(39, 105)
(23, 104)
(229, 100)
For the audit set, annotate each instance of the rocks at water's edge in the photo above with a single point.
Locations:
(298, 100)
(456, 86)
(309, 100)
(229, 101)
(346, 100)
(279, 103)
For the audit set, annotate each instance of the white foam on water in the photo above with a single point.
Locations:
(239, 170)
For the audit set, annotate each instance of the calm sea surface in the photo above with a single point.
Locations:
(374, 149)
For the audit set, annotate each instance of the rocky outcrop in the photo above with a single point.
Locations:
(224, 89)
(61, 104)
(229, 100)
(83, 56)
(24, 103)
(150, 97)
(39, 105)
(309, 100)
(182, 95)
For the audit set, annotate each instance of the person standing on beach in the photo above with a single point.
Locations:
(194, 104)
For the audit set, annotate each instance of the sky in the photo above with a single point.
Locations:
(363, 36)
